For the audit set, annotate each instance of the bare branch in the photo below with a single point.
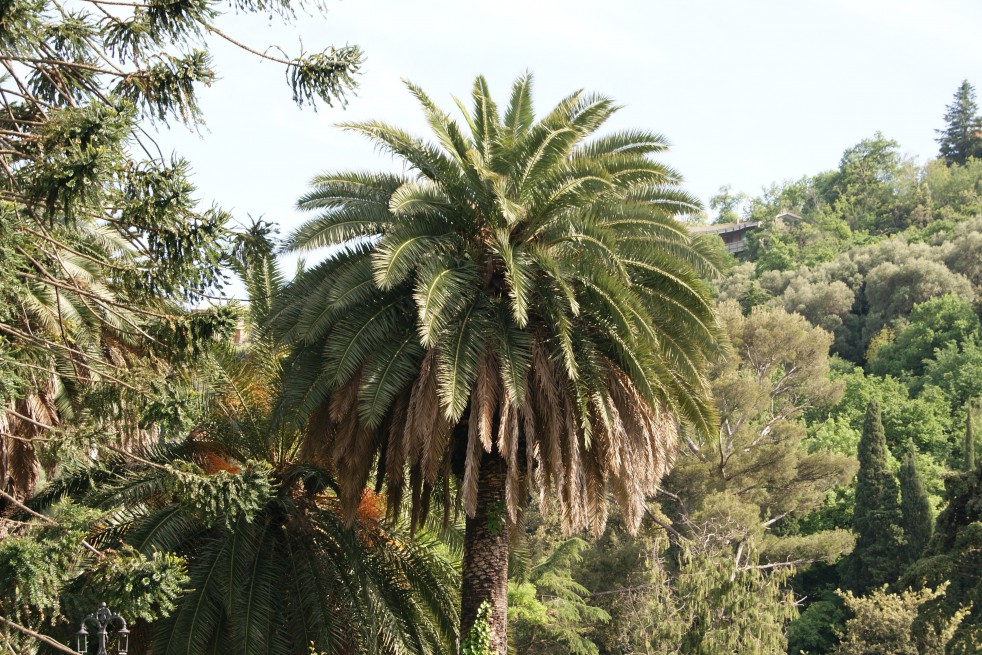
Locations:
(40, 637)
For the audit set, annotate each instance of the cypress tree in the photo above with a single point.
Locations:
(877, 520)
(962, 136)
(969, 446)
(917, 519)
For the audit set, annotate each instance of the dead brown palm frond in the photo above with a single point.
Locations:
(485, 401)
(316, 446)
(24, 424)
(19, 464)
(395, 453)
(342, 444)
(423, 416)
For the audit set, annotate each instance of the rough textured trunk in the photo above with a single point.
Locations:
(485, 566)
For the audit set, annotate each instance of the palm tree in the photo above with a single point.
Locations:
(274, 568)
(520, 306)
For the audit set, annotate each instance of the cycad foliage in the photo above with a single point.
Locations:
(274, 566)
(523, 291)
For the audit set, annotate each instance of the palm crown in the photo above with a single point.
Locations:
(525, 290)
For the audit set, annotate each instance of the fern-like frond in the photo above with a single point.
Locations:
(406, 246)
(520, 114)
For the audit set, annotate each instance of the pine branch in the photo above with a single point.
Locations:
(28, 419)
(211, 28)
(54, 344)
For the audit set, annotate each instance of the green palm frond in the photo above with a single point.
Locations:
(358, 335)
(407, 245)
(443, 287)
(514, 348)
(253, 579)
(202, 610)
(424, 157)
(628, 142)
(460, 356)
(346, 189)
(393, 366)
(337, 287)
(520, 114)
(485, 124)
(518, 274)
(340, 225)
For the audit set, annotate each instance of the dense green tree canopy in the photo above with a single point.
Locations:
(915, 507)
(968, 448)
(932, 325)
(888, 623)
(756, 472)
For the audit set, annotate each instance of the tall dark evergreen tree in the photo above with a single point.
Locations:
(915, 507)
(877, 520)
(962, 136)
(968, 450)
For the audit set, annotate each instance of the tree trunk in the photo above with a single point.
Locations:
(485, 566)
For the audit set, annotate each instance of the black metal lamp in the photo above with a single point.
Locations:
(102, 620)
(123, 635)
(82, 639)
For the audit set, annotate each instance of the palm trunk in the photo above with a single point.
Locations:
(485, 566)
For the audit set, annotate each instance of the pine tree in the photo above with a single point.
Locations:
(103, 243)
(877, 520)
(962, 136)
(969, 446)
(917, 519)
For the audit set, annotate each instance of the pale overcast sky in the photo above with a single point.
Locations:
(748, 92)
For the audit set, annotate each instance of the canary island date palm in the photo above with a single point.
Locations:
(520, 307)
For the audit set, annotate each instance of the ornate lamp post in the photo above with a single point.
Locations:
(99, 621)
